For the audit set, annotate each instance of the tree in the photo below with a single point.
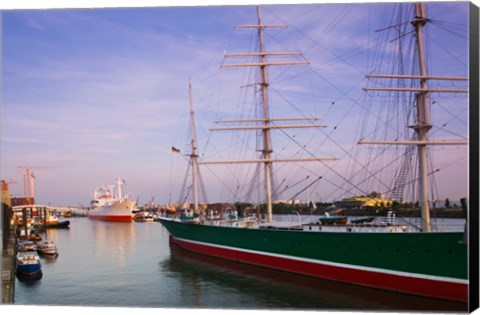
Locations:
(395, 206)
(447, 203)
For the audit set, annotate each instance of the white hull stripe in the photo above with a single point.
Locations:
(329, 263)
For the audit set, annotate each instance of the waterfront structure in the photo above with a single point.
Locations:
(364, 201)
(6, 198)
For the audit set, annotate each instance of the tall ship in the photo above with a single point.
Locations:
(424, 262)
(108, 204)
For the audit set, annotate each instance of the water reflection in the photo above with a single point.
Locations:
(113, 240)
(48, 259)
(30, 280)
(260, 288)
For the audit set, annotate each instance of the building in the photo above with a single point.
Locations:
(363, 201)
(6, 198)
(22, 201)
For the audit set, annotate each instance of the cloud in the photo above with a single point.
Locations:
(103, 93)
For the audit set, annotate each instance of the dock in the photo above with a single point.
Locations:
(8, 256)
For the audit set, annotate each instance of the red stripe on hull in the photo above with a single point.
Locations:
(118, 218)
(397, 283)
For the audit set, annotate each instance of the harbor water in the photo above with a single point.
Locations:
(133, 265)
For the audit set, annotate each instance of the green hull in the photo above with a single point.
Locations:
(430, 256)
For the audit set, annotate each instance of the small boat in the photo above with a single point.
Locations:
(47, 248)
(35, 237)
(30, 235)
(143, 216)
(59, 225)
(28, 265)
(333, 216)
(26, 245)
(52, 222)
(332, 220)
(363, 220)
(188, 216)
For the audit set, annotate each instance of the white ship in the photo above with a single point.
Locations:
(109, 204)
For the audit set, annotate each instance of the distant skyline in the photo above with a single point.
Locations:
(93, 94)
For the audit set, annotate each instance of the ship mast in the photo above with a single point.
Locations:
(423, 120)
(119, 184)
(266, 121)
(267, 142)
(193, 154)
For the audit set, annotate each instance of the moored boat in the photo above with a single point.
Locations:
(59, 225)
(26, 245)
(399, 262)
(28, 265)
(53, 222)
(112, 206)
(30, 234)
(384, 255)
(143, 216)
(47, 248)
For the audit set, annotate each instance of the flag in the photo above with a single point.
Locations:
(175, 150)
(33, 176)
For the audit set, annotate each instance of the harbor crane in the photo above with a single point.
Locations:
(29, 180)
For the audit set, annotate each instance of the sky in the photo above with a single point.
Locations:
(95, 93)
